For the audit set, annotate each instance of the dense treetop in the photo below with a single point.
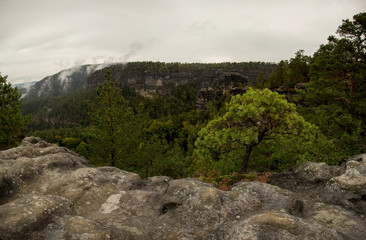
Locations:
(12, 123)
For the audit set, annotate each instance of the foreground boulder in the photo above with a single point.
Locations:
(48, 192)
(341, 185)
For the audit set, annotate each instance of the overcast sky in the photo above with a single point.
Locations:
(42, 37)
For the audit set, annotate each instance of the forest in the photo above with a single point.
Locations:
(311, 108)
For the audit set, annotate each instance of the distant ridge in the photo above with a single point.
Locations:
(62, 82)
(25, 85)
(147, 78)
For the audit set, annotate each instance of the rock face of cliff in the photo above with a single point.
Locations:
(149, 78)
(229, 84)
(48, 192)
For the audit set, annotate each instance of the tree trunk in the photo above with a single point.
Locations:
(113, 158)
(113, 153)
(148, 165)
(352, 90)
(244, 163)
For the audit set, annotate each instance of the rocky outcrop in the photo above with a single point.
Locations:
(157, 78)
(341, 185)
(48, 192)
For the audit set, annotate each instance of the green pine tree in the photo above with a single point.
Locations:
(335, 97)
(12, 123)
(253, 118)
(115, 132)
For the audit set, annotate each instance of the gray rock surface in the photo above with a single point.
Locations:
(341, 185)
(48, 192)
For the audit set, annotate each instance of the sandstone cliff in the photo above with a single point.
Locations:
(48, 192)
(227, 84)
(150, 78)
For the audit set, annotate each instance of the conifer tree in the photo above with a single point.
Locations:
(114, 130)
(256, 116)
(335, 97)
(12, 123)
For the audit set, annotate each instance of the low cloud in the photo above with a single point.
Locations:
(134, 47)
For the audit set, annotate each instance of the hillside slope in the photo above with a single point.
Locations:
(63, 82)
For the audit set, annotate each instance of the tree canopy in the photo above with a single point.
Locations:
(12, 122)
(251, 118)
(335, 97)
(114, 131)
